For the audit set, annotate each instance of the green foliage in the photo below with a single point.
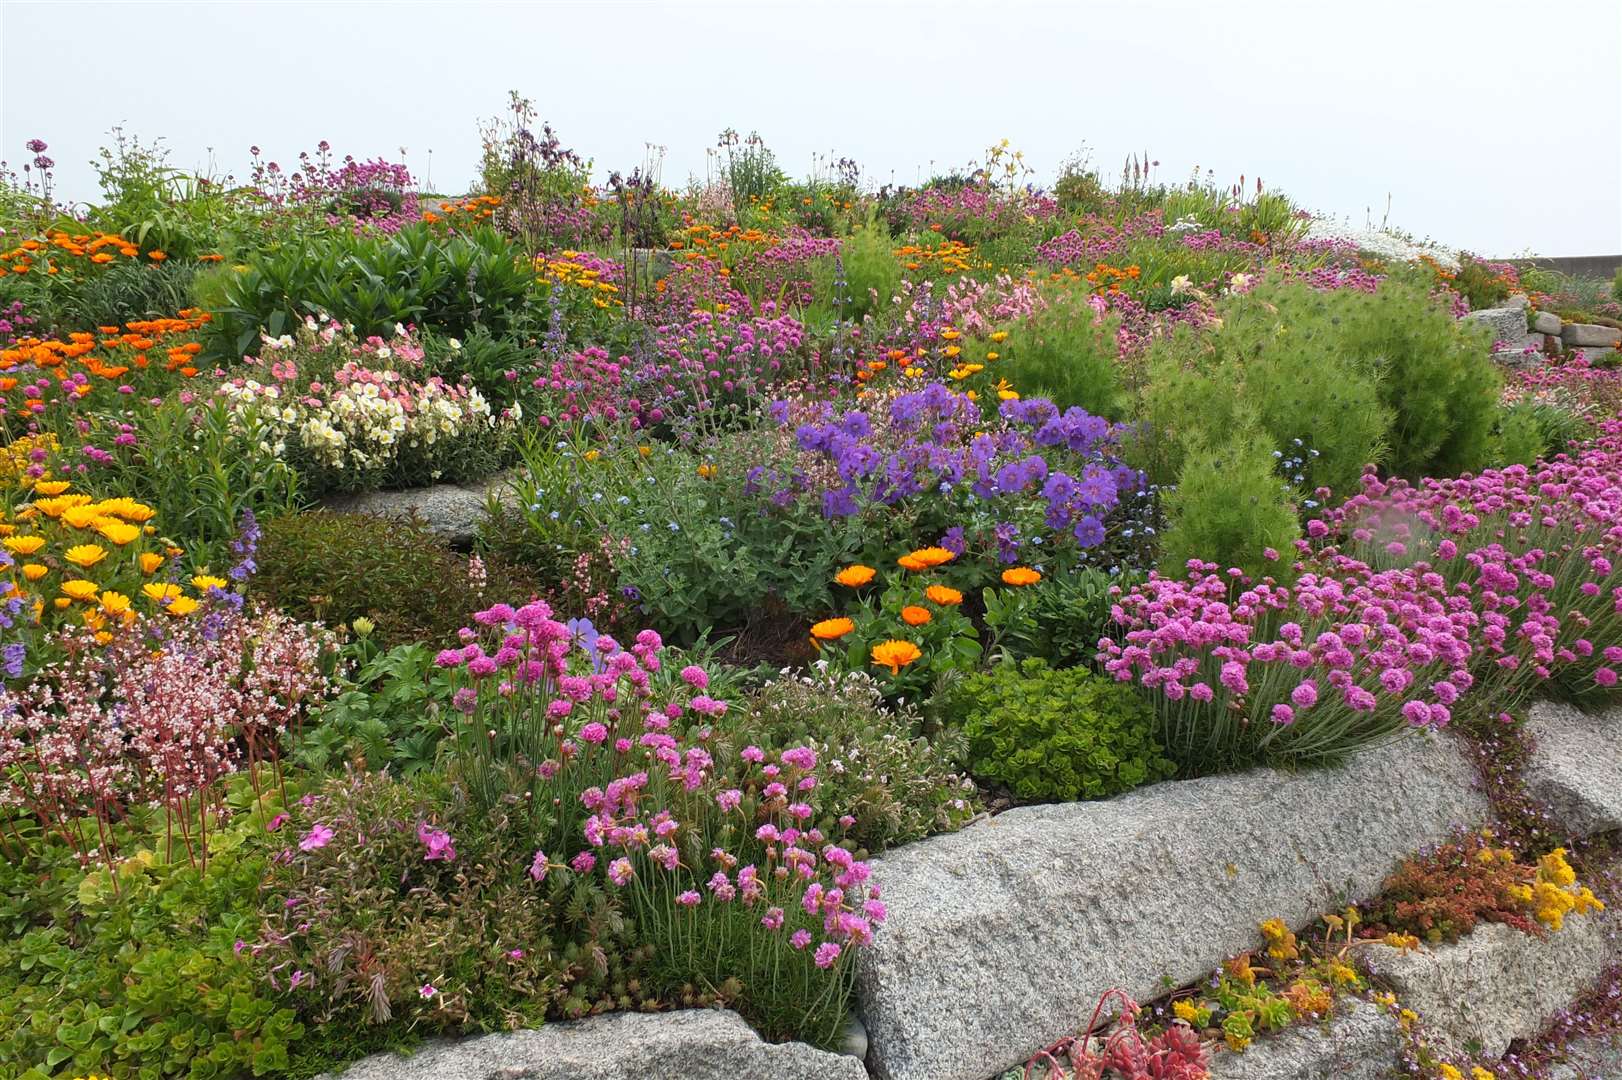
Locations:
(1066, 351)
(693, 550)
(1276, 361)
(1057, 735)
(1061, 617)
(1529, 430)
(1228, 507)
(872, 276)
(128, 291)
(147, 982)
(751, 169)
(1482, 286)
(1434, 374)
(449, 284)
(897, 784)
(390, 714)
(1616, 285)
(373, 922)
(339, 567)
(200, 467)
(1079, 189)
(1387, 377)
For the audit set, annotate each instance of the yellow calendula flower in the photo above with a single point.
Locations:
(707, 471)
(159, 592)
(204, 582)
(83, 517)
(592, 455)
(119, 532)
(128, 509)
(180, 605)
(1448, 1072)
(114, 603)
(150, 562)
(53, 507)
(80, 589)
(34, 571)
(85, 555)
(1000, 336)
(51, 487)
(24, 545)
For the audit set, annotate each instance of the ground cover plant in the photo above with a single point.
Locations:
(831, 517)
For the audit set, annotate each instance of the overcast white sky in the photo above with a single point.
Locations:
(1496, 126)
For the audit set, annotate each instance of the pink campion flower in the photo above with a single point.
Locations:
(594, 733)
(426, 991)
(318, 837)
(696, 677)
(583, 863)
(515, 954)
(800, 939)
(438, 843)
(689, 898)
(826, 954)
(1283, 714)
(1605, 676)
(773, 919)
(1305, 695)
(538, 866)
(729, 800)
(276, 823)
(753, 754)
(619, 871)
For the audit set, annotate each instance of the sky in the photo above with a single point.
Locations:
(1487, 125)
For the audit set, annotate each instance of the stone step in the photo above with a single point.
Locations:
(452, 511)
(693, 1044)
(1576, 767)
(1362, 1042)
(1498, 984)
(1001, 937)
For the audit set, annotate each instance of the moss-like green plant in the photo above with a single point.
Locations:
(1066, 351)
(1229, 508)
(1057, 734)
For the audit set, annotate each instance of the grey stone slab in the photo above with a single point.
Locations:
(1498, 984)
(694, 1044)
(1363, 1042)
(1546, 322)
(1506, 324)
(453, 511)
(1576, 766)
(1598, 1057)
(1001, 937)
(1591, 334)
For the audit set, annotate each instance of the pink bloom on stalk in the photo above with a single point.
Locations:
(515, 954)
(689, 899)
(438, 842)
(594, 733)
(619, 871)
(318, 837)
(1605, 677)
(1305, 695)
(1283, 714)
(1201, 692)
(707, 705)
(800, 939)
(276, 823)
(427, 991)
(696, 677)
(773, 919)
(1416, 713)
(537, 866)
(826, 954)
(846, 821)
(753, 754)
(728, 800)
(583, 863)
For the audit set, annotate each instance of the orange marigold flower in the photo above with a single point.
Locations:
(157, 256)
(1020, 575)
(832, 629)
(855, 576)
(913, 615)
(895, 655)
(925, 558)
(944, 596)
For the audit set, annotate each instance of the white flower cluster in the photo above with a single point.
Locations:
(362, 425)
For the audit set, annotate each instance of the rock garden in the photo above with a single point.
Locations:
(598, 625)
